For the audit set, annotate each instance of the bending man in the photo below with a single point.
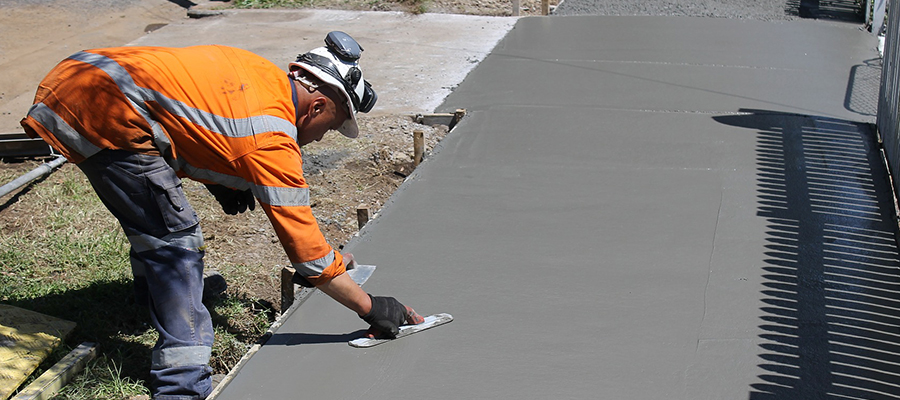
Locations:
(137, 119)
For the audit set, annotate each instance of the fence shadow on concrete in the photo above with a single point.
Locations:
(863, 84)
(831, 316)
(837, 10)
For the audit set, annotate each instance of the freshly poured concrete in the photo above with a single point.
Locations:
(634, 208)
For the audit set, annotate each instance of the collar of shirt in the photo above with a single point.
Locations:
(294, 98)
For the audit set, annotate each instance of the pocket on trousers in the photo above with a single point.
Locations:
(176, 212)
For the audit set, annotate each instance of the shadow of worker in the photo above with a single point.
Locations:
(830, 319)
(295, 339)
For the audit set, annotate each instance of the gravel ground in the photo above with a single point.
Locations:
(766, 10)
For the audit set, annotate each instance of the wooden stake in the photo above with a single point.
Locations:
(418, 147)
(362, 216)
(51, 381)
(515, 8)
(457, 116)
(287, 288)
(545, 7)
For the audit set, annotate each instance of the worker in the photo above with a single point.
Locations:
(138, 119)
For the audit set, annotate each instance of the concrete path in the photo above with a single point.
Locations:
(414, 61)
(635, 208)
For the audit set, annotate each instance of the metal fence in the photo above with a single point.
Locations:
(889, 96)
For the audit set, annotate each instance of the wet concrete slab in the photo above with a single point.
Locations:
(607, 224)
(677, 64)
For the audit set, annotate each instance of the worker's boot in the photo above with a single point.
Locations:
(213, 284)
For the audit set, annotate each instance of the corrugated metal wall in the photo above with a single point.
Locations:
(889, 97)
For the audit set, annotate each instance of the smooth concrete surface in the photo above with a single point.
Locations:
(678, 64)
(412, 61)
(634, 208)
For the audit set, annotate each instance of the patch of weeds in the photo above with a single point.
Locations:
(417, 6)
(238, 321)
(104, 256)
(245, 317)
(13, 259)
(102, 379)
(227, 351)
(75, 189)
(60, 261)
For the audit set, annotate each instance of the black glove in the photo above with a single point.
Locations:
(232, 201)
(387, 315)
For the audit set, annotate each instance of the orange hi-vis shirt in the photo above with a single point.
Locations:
(216, 114)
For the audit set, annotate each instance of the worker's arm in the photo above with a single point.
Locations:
(275, 177)
(384, 314)
(345, 291)
(277, 169)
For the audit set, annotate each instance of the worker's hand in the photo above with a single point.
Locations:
(387, 315)
(232, 201)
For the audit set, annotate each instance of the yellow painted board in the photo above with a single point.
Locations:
(26, 339)
(53, 379)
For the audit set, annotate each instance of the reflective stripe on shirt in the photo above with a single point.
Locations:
(135, 95)
(229, 127)
(271, 195)
(314, 267)
(62, 130)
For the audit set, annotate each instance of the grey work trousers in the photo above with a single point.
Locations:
(145, 195)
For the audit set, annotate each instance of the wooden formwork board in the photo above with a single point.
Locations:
(26, 339)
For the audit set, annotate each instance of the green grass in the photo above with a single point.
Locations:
(64, 255)
(102, 379)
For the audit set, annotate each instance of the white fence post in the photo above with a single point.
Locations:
(877, 16)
